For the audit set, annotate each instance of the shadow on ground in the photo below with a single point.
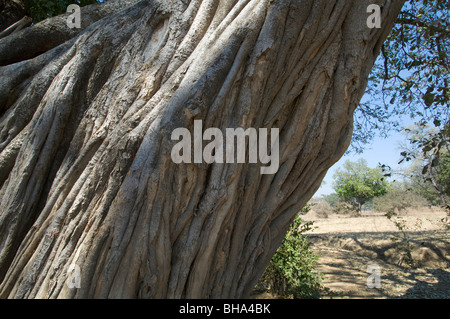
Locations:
(344, 259)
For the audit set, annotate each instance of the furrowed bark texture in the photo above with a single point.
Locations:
(86, 173)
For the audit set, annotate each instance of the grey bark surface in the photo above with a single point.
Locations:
(86, 174)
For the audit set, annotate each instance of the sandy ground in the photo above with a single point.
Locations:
(347, 246)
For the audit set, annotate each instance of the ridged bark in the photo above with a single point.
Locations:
(86, 172)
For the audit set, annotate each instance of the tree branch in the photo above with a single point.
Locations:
(52, 32)
(16, 27)
(422, 24)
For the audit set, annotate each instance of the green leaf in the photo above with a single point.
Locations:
(428, 99)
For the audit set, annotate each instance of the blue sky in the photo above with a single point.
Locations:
(382, 150)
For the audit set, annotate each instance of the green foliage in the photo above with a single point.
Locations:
(356, 183)
(41, 9)
(411, 76)
(306, 208)
(291, 272)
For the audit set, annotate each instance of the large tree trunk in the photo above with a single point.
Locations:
(86, 172)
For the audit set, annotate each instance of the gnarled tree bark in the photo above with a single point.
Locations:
(86, 172)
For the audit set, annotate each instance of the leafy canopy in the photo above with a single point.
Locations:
(411, 76)
(41, 9)
(356, 183)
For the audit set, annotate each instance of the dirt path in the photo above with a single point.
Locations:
(348, 246)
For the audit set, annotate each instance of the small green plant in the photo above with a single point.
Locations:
(291, 272)
(307, 207)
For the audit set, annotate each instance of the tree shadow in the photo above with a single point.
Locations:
(398, 281)
(380, 251)
(426, 290)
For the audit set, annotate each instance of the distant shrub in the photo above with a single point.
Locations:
(344, 208)
(398, 200)
(321, 208)
(331, 199)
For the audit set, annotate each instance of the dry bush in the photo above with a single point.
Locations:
(321, 208)
(344, 208)
(398, 201)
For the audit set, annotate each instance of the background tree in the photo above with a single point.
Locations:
(85, 140)
(356, 183)
(428, 150)
(39, 10)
